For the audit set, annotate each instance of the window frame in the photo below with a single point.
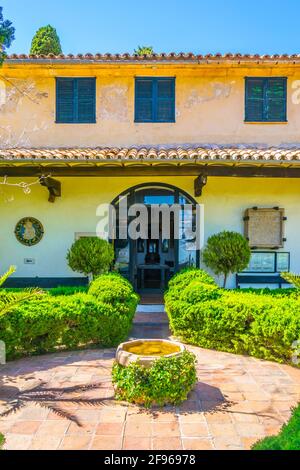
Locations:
(75, 100)
(265, 82)
(154, 98)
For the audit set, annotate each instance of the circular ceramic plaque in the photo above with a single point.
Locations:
(29, 231)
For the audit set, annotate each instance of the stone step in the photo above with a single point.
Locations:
(157, 318)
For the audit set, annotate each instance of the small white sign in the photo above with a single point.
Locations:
(29, 261)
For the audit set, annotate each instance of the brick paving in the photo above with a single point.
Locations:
(66, 401)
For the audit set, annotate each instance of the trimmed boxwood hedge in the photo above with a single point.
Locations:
(259, 324)
(167, 381)
(48, 322)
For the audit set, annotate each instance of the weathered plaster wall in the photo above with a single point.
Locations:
(224, 199)
(209, 107)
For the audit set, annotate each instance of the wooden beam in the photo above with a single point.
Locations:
(53, 186)
(199, 184)
(149, 170)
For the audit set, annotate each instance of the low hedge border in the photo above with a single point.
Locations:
(46, 323)
(167, 381)
(263, 325)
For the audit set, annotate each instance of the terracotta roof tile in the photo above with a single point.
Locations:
(213, 153)
(160, 57)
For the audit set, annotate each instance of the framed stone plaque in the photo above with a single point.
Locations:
(264, 227)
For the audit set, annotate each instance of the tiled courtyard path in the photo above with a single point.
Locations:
(65, 401)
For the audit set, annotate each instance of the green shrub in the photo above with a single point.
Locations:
(226, 252)
(167, 381)
(67, 290)
(262, 325)
(199, 292)
(90, 256)
(2, 441)
(47, 322)
(287, 439)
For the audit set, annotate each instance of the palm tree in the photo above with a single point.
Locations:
(11, 299)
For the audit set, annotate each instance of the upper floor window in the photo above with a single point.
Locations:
(265, 99)
(75, 100)
(154, 99)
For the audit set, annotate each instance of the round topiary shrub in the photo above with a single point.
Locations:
(90, 256)
(226, 253)
(199, 292)
(112, 289)
(167, 381)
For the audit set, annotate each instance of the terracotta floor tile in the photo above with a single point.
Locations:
(219, 417)
(17, 441)
(106, 443)
(222, 429)
(197, 444)
(166, 429)
(228, 443)
(45, 443)
(166, 443)
(138, 428)
(53, 428)
(75, 442)
(249, 429)
(137, 443)
(194, 430)
(25, 427)
(110, 429)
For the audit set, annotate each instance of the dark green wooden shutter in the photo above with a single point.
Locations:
(65, 105)
(86, 100)
(144, 100)
(265, 99)
(254, 99)
(276, 99)
(165, 106)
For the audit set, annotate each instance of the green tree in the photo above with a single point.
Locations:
(46, 41)
(7, 35)
(226, 252)
(144, 50)
(90, 256)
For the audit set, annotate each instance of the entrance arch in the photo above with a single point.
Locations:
(148, 262)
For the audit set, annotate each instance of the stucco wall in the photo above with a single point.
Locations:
(209, 107)
(224, 199)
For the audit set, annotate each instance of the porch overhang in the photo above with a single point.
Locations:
(117, 162)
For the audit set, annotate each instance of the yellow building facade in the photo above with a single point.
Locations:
(211, 154)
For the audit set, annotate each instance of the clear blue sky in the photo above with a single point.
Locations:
(262, 26)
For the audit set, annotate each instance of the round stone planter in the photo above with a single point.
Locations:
(146, 351)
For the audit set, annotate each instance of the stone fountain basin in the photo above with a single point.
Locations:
(146, 351)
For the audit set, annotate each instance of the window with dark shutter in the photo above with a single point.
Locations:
(75, 100)
(154, 99)
(265, 99)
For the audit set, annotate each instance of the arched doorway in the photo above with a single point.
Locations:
(165, 245)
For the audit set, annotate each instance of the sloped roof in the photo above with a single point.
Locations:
(188, 154)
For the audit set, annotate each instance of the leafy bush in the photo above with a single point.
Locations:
(90, 256)
(241, 322)
(112, 288)
(67, 290)
(2, 440)
(45, 323)
(167, 381)
(226, 252)
(287, 439)
(46, 41)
